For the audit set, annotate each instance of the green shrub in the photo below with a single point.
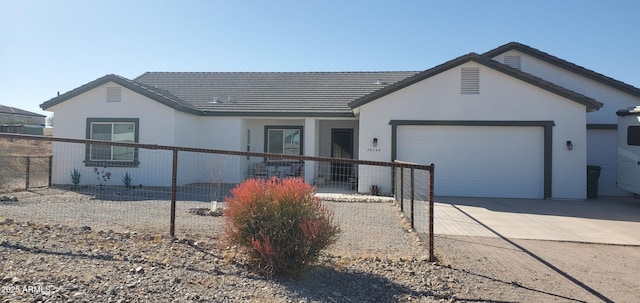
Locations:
(375, 189)
(75, 177)
(126, 180)
(280, 224)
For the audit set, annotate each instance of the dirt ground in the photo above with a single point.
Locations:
(504, 270)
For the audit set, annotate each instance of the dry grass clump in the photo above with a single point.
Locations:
(13, 153)
(24, 147)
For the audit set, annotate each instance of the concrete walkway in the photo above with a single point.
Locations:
(609, 220)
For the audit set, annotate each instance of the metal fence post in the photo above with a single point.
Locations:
(431, 179)
(402, 189)
(412, 197)
(27, 173)
(174, 189)
(50, 169)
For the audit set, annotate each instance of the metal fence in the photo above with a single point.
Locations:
(181, 189)
(24, 172)
(24, 163)
(413, 190)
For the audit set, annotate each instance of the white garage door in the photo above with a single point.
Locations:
(483, 161)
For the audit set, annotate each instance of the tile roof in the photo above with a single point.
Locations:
(314, 94)
(17, 111)
(271, 93)
(563, 64)
(590, 103)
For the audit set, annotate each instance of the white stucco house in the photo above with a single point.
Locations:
(512, 122)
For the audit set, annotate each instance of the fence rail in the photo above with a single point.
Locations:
(172, 180)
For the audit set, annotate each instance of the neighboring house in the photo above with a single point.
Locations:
(15, 120)
(513, 122)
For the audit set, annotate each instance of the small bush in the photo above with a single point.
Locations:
(375, 189)
(75, 177)
(280, 224)
(102, 174)
(126, 180)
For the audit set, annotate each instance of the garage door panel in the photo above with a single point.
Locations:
(478, 161)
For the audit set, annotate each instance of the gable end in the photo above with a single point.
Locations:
(163, 97)
(590, 103)
(630, 89)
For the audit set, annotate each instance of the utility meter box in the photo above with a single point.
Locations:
(628, 163)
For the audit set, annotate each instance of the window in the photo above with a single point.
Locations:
(633, 135)
(113, 130)
(470, 81)
(285, 140)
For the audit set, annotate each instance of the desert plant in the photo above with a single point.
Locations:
(126, 180)
(375, 189)
(280, 224)
(102, 174)
(75, 177)
(216, 170)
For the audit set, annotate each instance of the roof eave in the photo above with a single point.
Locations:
(408, 81)
(278, 114)
(589, 103)
(630, 89)
(124, 83)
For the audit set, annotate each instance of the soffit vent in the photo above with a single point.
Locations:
(513, 61)
(470, 81)
(114, 94)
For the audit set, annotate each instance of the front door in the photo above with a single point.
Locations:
(341, 148)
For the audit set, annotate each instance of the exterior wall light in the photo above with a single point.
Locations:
(569, 145)
(375, 142)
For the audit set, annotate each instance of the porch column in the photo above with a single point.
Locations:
(311, 131)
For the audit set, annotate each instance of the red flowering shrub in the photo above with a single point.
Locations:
(280, 224)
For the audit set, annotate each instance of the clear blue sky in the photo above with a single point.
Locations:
(50, 46)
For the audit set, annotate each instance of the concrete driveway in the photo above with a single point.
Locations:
(608, 220)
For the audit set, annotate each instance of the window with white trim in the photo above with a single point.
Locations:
(112, 130)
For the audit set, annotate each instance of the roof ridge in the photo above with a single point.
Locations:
(276, 72)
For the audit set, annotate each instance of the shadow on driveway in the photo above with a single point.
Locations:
(605, 220)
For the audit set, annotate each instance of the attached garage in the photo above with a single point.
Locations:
(490, 130)
(473, 160)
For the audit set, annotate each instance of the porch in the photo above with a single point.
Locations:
(333, 138)
(327, 176)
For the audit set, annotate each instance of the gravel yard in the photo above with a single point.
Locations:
(60, 246)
